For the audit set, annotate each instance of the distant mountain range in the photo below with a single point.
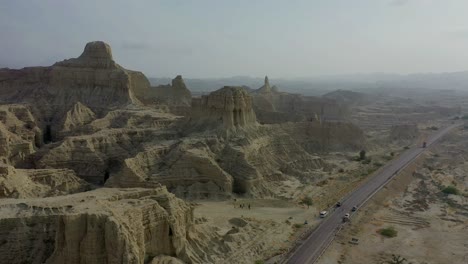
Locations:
(322, 84)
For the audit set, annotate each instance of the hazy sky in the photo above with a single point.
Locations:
(219, 38)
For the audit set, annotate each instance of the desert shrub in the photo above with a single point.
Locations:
(378, 164)
(297, 225)
(307, 201)
(388, 232)
(451, 190)
(397, 259)
(465, 117)
(259, 261)
(366, 161)
(341, 170)
(362, 155)
(392, 154)
(406, 147)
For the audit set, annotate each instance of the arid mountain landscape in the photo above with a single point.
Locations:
(99, 166)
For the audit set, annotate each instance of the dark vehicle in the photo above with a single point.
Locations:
(354, 209)
(424, 144)
(338, 204)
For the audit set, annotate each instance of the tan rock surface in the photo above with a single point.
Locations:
(175, 95)
(102, 226)
(228, 107)
(19, 183)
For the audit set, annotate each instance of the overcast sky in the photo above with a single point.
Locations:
(220, 38)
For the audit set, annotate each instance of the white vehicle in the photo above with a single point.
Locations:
(323, 214)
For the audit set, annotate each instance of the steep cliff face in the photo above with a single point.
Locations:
(229, 108)
(102, 226)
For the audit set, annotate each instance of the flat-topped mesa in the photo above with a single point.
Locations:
(97, 54)
(266, 88)
(229, 106)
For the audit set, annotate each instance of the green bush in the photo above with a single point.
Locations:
(451, 190)
(388, 232)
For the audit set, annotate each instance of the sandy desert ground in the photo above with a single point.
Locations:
(432, 226)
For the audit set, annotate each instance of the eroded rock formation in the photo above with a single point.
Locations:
(272, 106)
(18, 183)
(102, 226)
(93, 80)
(228, 107)
(176, 96)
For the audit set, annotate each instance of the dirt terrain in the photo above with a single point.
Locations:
(432, 226)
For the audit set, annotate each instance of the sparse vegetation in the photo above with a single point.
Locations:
(341, 170)
(388, 232)
(362, 155)
(406, 147)
(397, 259)
(259, 261)
(307, 201)
(298, 225)
(378, 164)
(465, 117)
(451, 190)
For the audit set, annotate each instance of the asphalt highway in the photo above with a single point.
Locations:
(321, 237)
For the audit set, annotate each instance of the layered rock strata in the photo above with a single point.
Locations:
(102, 226)
(228, 107)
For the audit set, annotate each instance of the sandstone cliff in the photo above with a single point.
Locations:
(229, 108)
(102, 226)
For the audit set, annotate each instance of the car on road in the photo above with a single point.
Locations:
(354, 208)
(323, 214)
(338, 204)
(346, 215)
